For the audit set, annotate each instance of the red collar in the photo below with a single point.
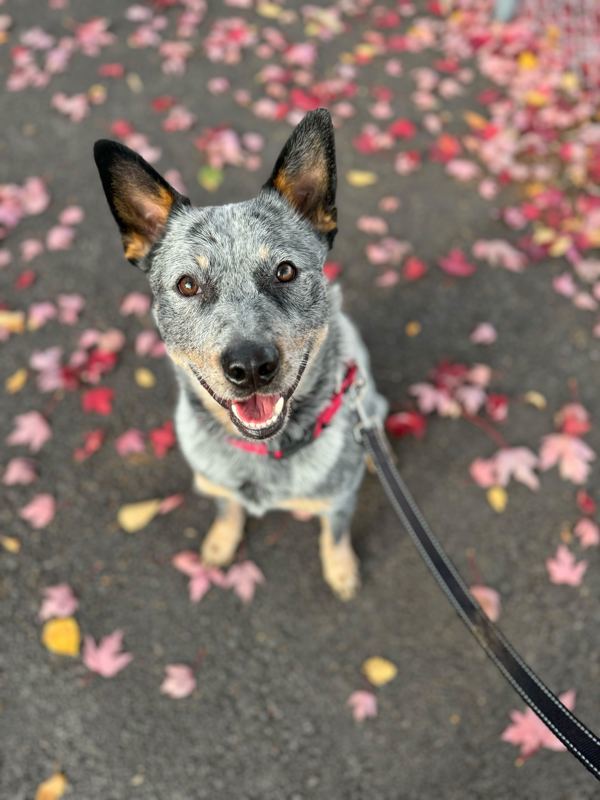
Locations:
(322, 421)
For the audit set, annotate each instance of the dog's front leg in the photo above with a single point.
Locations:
(338, 560)
(225, 534)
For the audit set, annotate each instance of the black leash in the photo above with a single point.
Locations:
(578, 739)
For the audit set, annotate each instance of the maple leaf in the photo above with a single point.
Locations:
(564, 569)
(528, 732)
(499, 253)
(406, 423)
(243, 578)
(162, 439)
(488, 599)
(588, 532)
(106, 657)
(135, 303)
(456, 264)
(31, 429)
(19, 471)
(179, 681)
(201, 577)
(59, 601)
(40, 511)
(132, 441)
(98, 400)
(363, 705)
(572, 455)
(518, 463)
(484, 333)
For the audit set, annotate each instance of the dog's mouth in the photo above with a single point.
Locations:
(258, 416)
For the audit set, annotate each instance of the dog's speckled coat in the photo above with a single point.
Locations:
(232, 252)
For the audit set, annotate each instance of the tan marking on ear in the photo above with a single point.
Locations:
(136, 246)
(305, 505)
(202, 261)
(224, 536)
(264, 252)
(339, 562)
(145, 215)
(294, 187)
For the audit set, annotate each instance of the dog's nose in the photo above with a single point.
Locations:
(250, 365)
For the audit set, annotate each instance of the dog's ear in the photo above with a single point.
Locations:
(139, 198)
(305, 172)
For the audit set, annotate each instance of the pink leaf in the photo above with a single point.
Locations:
(72, 215)
(588, 532)
(40, 511)
(488, 599)
(243, 578)
(60, 237)
(564, 569)
(517, 463)
(484, 333)
(572, 455)
(135, 303)
(59, 601)
(363, 705)
(179, 681)
(499, 253)
(528, 732)
(105, 657)
(462, 169)
(201, 577)
(31, 429)
(132, 441)
(19, 471)
(456, 264)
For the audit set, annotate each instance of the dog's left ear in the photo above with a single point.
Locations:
(140, 199)
(305, 172)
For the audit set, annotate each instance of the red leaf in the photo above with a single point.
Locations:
(98, 400)
(413, 268)
(586, 504)
(406, 423)
(456, 264)
(162, 439)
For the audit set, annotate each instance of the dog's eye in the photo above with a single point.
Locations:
(187, 286)
(286, 272)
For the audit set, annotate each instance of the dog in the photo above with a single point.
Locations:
(264, 357)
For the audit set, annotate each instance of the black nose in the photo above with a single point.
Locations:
(250, 365)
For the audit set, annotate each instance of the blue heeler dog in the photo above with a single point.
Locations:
(263, 354)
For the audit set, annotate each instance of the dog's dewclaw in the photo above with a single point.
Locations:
(223, 537)
(340, 564)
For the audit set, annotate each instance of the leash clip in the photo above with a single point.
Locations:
(365, 422)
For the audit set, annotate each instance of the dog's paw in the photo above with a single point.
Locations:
(340, 568)
(220, 543)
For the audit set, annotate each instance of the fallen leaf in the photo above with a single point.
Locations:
(40, 511)
(587, 532)
(564, 569)
(361, 178)
(243, 578)
(53, 788)
(456, 264)
(106, 658)
(59, 601)
(19, 471)
(15, 382)
(528, 732)
(62, 636)
(379, 671)
(31, 429)
(363, 705)
(135, 516)
(571, 454)
(179, 681)
(488, 599)
(497, 498)
(145, 378)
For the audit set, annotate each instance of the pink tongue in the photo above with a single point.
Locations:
(258, 408)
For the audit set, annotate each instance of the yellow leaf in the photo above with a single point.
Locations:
(412, 328)
(543, 235)
(527, 60)
(12, 321)
(53, 788)
(560, 246)
(475, 121)
(361, 178)
(10, 543)
(379, 671)
(135, 516)
(145, 378)
(569, 82)
(497, 498)
(269, 10)
(536, 98)
(62, 636)
(15, 382)
(536, 400)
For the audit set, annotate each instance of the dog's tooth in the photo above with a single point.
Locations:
(278, 407)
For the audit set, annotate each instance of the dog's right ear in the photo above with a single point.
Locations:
(140, 199)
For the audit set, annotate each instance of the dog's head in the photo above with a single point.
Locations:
(240, 298)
